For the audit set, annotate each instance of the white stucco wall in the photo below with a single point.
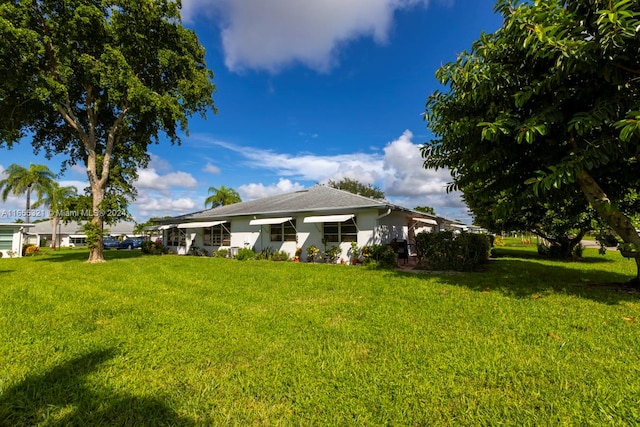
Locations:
(392, 226)
(16, 240)
(372, 228)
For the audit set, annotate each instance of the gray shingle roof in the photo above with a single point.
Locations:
(44, 227)
(315, 199)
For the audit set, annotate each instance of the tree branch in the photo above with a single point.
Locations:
(627, 69)
(111, 140)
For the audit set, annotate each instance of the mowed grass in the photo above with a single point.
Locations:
(168, 340)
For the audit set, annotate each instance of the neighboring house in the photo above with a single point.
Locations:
(11, 239)
(297, 219)
(72, 234)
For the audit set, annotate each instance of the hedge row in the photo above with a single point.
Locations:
(449, 251)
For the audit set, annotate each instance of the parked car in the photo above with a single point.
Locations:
(131, 243)
(110, 242)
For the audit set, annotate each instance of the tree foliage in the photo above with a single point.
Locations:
(545, 108)
(426, 209)
(98, 82)
(222, 196)
(356, 187)
(58, 199)
(20, 180)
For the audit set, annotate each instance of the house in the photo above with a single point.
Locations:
(321, 216)
(12, 238)
(72, 234)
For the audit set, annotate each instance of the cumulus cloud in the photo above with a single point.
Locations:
(256, 191)
(149, 179)
(161, 191)
(211, 168)
(398, 171)
(405, 174)
(271, 34)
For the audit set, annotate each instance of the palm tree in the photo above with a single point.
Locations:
(57, 198)
(20, 180)
(222, 196)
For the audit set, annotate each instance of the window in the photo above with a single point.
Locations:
(285, 232)
(78, 241)
(6, 239)
(175, 237)
(335, 232)
(218, 235)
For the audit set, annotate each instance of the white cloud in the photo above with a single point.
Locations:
(399, 172)
(80, 185)
(148, 205)
(405, 173)
(149, 179)
(271, 34)
(211, 168)
(256, 191)
(159, 164)
(367, 168)
(79, 169)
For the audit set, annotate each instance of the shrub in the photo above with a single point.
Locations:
(265, 254)
(379, 256)
(312, 253)
(607, 240)
(447, 251)
(1, 254)
(245, 254)
(93, 233)
(153, 248)
(32, 250)
(497, 241)
(270, 254)
(280, 256)
(578, 250)
(26, 247)
(220, 253)
(551, 250)
(333, 253)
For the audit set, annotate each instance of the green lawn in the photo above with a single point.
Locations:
(203, 341)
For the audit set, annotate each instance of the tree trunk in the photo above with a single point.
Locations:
(28, 212)
(96, 251)
(54, 232)
(610, 213)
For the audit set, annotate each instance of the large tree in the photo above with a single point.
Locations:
(58, 199)
(19, 180)
(222, 196)
(551, 100)
(356, 187)
(98, 81)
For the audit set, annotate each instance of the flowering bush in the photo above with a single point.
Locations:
(312, 253)
(32, 250)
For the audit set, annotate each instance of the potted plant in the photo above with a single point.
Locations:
(332, 254)
(355, 253)
(312, 253)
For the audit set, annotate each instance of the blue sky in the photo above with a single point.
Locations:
(307, 92)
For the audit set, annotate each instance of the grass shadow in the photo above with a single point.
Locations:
(83, 255)
(6, 271)
(525, 253)
(64, 396)
(528, 278)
